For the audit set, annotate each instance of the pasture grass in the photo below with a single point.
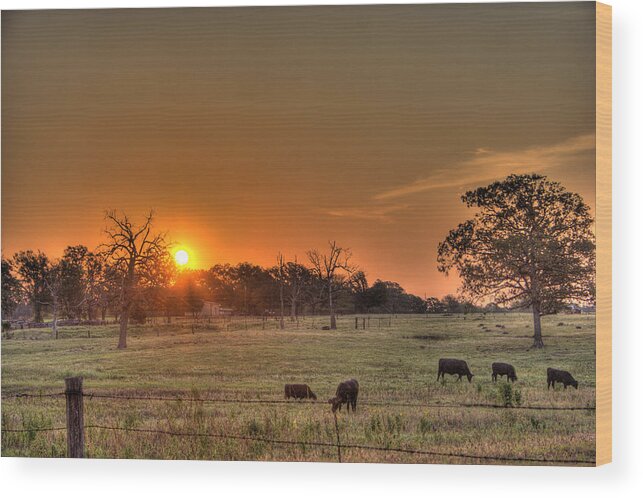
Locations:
(251, 360)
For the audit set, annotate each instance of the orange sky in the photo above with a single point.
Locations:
(257, 130)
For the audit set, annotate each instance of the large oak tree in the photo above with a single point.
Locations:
(530, 245)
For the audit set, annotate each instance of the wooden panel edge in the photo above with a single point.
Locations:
(603, 233)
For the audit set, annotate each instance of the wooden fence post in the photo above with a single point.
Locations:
(75, 423)
(356, 326)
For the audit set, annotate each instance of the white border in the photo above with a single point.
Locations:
(53, 478)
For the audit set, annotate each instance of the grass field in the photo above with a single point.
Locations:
(241, 360)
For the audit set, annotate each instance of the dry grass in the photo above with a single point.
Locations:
(242, 360)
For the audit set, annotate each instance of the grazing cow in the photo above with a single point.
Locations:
(503, 369)
(299, 391)
(454, 367)
(346, 393)
(562, 376)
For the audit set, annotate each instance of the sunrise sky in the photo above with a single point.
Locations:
(257, 130)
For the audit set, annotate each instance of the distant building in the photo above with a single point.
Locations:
(212, 309)
(574, 309)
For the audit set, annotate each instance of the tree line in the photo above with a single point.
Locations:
(132, 276)
(530, 245)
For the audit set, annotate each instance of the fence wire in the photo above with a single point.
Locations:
(338, 446)
(35, 429)
(306, 402)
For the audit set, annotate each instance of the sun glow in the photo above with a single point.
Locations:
(181, 257)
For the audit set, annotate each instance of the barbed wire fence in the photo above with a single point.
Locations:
(76, 428)
(307, 402)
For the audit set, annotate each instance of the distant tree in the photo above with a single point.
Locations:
(332, 268)
(221, 282)
(11, 289)
(297, 279)
(313, 292)
(82, 274)
(254, 287)
(377, 296)
(451, 304)
(530, 244)
(359, 288)
(394, 297)
(32, 268)
(158, 280)
(171, 306)
(246, 287)
(193, 300)
(71, 272)
(136, 254)
(108, 288)
(414, 304)
(193, 296)
(390, 297)
(280, 275)
(434, 305)
(138, 313)
(94, 283)
(55, 284)
(491, 308)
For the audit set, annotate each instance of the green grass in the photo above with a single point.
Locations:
(240, 359)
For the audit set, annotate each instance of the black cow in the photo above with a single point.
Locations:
(453, 367)
(299, 391)
(346, 393)
(562, 376)
(503, 369)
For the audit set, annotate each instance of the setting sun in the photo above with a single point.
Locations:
(181, 257)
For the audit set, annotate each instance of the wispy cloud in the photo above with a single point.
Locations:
(486, 165)
(381, 213)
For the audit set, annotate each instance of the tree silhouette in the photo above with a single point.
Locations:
(331, 268)
(530, 244)
(11, 289)
(32, 269)
(136, 255)
(297, 279)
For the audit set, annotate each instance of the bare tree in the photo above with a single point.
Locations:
(280, 279)
(332, 268)
(135, 252)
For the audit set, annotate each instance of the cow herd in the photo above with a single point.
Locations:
(346, 394)
(347, 391)
(461, 369)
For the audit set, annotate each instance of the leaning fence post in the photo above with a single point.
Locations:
(75, 423)
(339, 445)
